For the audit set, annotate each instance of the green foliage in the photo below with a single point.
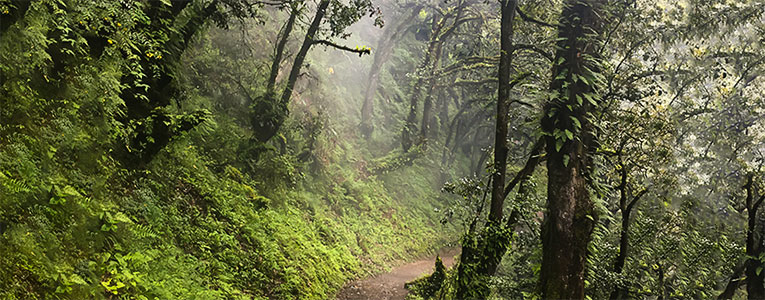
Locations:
(426, 287)
(211, 214)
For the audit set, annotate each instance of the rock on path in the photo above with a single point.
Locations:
(390, 286)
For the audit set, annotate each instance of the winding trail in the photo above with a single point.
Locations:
(390, 286)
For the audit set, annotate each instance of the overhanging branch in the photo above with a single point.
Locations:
(360, 51)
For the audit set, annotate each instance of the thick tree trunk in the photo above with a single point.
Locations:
(382, 54)
(570, 216)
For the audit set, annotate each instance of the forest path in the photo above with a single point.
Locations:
(390, 285)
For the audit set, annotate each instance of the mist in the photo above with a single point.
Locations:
(382, 149)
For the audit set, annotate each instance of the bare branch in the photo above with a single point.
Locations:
(360, 51)
(635, 200)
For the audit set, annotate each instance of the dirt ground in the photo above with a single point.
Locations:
(390, 286)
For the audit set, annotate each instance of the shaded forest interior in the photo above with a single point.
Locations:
(281, 149)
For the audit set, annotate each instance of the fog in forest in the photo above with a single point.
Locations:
(382, 149)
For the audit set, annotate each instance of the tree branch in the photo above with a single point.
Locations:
(759, 201)
(535, 158)
(532, 20)
(635, 200)
(360, 51)
(533, 48)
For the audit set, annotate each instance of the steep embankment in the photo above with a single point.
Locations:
(195, 224)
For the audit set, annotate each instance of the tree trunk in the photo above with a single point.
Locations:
(279, 51)
(734, 283)
(427, 107)
(410, 127)
(754, 278)
(626, 207)
(382, 54)
(482, 256)
(278, 109)
(308, 41)
(570, 216)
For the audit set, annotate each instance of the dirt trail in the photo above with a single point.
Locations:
(390, 286)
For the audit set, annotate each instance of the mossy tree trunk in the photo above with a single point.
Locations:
(570, 216)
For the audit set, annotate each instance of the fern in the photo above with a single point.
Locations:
(13, 186)
(141, 231)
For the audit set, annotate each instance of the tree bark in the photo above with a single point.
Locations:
(481, 259)
(754, 278)
(626, 207)
(410, 127)
(278, 108)
(308, 41)
(279, 51)
(571, 216)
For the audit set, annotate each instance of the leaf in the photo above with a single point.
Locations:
(577, 124)
(558, 144)
(69, 191)
(590, 99)
(569, 134)
(566, 159)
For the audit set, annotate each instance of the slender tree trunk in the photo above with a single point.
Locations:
(410, 127)
(570, 217)
(626, 207)
(382, 54)
(482, 256)
(427, 107)
(266, 129)
(308, 41)
(279, 51)
(754, 279)
(503, 107)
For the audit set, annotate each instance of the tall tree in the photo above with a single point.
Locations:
(480, 260)
(570, 216)
(282, 38)
(269, 112)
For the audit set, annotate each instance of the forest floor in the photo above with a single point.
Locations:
(390, 285)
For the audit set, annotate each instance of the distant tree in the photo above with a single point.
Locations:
(269, 112)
